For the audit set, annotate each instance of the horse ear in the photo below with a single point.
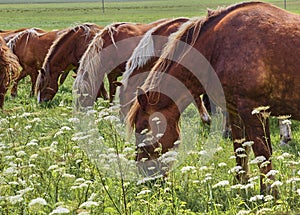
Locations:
(117, 83)
(142, 98)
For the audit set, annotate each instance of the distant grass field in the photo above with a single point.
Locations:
(45, 166)
(61, 15)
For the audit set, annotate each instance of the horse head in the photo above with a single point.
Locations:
(155, 118)
(46, 86)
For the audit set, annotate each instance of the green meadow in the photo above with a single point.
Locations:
(50, 164)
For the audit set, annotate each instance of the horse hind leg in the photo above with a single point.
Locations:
(204, 115)
(257, 130)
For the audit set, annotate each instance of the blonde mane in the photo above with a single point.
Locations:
(91, 61)
(144, 51)
(32, 32)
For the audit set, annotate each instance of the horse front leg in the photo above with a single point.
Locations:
(14, 89)
(112, 77)
(204, 115)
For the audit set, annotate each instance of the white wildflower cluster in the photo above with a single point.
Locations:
(223, 183)
(81, 183)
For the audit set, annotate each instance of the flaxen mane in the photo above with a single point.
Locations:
(91, 62)
(143, 52)
(189, 32)
(32, 32)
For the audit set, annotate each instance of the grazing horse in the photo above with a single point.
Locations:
(253, 50)
(63, 56)
(107, 54)
(31, 47)
(142, 60)
(9, 69)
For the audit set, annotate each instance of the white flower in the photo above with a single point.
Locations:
(272, 173)
(298, 191)
(256, 198)
(60, 210)
(239, 150)
(36, 119)
(221, 184)
(15, 199)
(187, 169)
(268, 198)
(258, 159)
(37, 201)
(222, 164)
(243, 212)
(20, 153)
(143, 192)
(52, 167)
(248, 143)
(33, 142)
(286, 155)
(155, 119)
(89, 204)
(276, 184)
(159, 135)
(74, 120)
(65, 128)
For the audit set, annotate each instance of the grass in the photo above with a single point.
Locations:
(48, 165)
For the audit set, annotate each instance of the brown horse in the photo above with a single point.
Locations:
(142, 60)
(63, 56)
(31, 47)
(107, 54)
(9, 69)
(253, 50)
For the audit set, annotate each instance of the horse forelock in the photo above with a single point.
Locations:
(131, 116)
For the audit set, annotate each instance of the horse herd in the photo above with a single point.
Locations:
(241, 57)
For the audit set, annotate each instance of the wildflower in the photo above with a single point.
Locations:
(111, 119)
(260, 109)
(248, 143)
(74, 120)
(36, 119)
(298, 191)
(235, 169)
(20, 153)
(69, 176)
(177, 142)
(272, 173)
(187, 169)
(256, 198)
(286, 155)
(143, 192)
(37, 201)
(89, 204)
(15, 199)
(155, 119)
(27, 127)
(243, 212)
(159, 135)
(52, 167)
(60, 210)
(221, 184)
(33, 142)
(222, 164)
(268, 198)
(33, 157)
(257, 160)
(276, 184)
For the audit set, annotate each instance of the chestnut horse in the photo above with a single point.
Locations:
(9, 69)
(31, 47)
(253, 50)
(63, 56)
(107, 54)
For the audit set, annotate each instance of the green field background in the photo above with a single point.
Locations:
(61, 15)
